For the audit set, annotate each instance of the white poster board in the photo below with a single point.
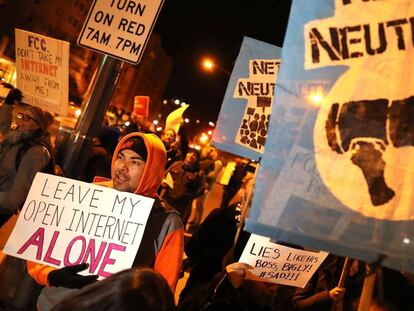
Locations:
(66, 222)
(120, 28)
(42, 67)
(280, 264)
(258, 90)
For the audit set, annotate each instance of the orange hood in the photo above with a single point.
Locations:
(154, 166)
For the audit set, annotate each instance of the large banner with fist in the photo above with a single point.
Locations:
(337, 173)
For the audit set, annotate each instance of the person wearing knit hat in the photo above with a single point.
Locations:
(32, 118)
(137, 167)
(24, 151)
(135, 153)
(14, 97)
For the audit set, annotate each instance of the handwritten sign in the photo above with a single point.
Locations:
(120, 28)
(280, 264)
(66, 222)
(42, 67)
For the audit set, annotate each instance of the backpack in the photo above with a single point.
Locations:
(51, 168)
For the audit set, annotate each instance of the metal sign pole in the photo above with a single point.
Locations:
(94, 108)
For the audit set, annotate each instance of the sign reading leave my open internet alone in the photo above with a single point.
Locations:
(120, 28)
(65, 222)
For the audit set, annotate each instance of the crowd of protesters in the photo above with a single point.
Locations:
(129, 156)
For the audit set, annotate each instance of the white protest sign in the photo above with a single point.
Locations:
(42, 67)
(280, 264)
(66, 222)
(120, 28)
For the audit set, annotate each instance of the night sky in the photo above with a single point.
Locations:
(193, 29)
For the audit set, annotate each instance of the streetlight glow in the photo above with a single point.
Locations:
(316, 98)
(208, 64)
(203, 138)
(78, 112)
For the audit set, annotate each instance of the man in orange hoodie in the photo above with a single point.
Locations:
(137, 167)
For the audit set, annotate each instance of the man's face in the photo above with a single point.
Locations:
(212, 152)
(128, 170)
(26, 121)
(168, 137)
(190, 158)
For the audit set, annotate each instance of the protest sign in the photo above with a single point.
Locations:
(337, 169)
(280, 264)
(175, 118)
(42, 67)
(120, 28)
(66, 222)
(243, 121)
(141, 105)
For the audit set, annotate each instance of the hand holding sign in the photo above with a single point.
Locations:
(336, 293)
(66, 223)
(280, 264)
(237, 272)
(69, 277)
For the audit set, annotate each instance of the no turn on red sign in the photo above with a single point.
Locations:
(120, 28)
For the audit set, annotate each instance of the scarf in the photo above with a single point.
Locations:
(16, 137)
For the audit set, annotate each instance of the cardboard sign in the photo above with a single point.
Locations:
(120, 28)
(337, 169)
(280, 264)
(141, 105)
(42, 67)
(66, 222)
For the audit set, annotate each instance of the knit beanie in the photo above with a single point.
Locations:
(42, 117)
(137, 145)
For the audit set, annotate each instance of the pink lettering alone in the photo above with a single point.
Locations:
(108, 260)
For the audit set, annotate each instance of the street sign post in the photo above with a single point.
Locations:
(120, 29)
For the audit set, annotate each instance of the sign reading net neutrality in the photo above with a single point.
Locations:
(120, 28)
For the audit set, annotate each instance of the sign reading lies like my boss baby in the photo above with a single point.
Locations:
(280, 264)
(66, 222)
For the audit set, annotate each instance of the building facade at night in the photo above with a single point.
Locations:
(63, 20)
(148, 78)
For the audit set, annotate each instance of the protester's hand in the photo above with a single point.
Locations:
(69, 277)
(236, 272)
(14, 95)
(353, 269)
(336, 293)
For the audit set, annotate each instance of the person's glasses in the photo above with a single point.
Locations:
(25, 117)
